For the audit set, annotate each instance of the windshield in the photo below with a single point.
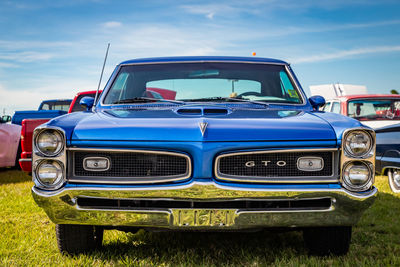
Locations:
(375, 109)
(196, 82)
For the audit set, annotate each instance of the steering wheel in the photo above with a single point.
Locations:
(249, 93)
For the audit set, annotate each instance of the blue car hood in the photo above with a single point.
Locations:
(169, 125)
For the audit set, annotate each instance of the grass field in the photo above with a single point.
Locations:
(27, 238)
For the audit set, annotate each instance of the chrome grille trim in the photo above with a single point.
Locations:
(72, 177)
(333, 178)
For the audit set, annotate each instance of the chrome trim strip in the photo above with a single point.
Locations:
(24, 160)
(280, 179)
(129, 180)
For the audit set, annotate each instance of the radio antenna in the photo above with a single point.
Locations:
(101, 76)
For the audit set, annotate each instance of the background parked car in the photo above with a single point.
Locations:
(372, 110)
(28, 125)
(9, 142)
(48, 109)
(388, 154)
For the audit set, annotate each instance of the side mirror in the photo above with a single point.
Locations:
(87, 102)
(5, 118)
(317, 101)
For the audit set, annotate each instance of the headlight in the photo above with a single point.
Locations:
(358, 143)
(49, 174)
(357, 176)
(49, 142)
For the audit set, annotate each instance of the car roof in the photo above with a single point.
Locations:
(204, 59)
(56, 100)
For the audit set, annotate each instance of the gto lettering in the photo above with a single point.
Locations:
(252, 163)
(265, 162)
(281, 163)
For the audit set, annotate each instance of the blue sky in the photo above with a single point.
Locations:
(54, 49)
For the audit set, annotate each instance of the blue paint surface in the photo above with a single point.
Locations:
(243, 127)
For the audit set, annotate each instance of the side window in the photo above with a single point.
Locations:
(45, 107)
(336, 107)
(288, 90)
(327, 107)
(118, 89)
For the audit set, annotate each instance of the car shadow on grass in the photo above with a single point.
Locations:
(204, 248)
(12, 176)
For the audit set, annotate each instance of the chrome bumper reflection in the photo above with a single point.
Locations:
(62, 207)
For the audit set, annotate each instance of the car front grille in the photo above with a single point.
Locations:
(248, 205)
(132, 166)
(274, 166)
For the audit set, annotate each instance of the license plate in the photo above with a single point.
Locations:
(203, 217)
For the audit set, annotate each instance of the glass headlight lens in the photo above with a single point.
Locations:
(358, 143)
(357, 175)
(49, 142)
(49, 173)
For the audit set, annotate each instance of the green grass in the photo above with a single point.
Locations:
(27, 238)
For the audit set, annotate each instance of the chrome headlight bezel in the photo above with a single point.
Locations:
(347, 143)
(367, 158)
(358, 187)
(57, 134)
(58, 156)
(59, 180)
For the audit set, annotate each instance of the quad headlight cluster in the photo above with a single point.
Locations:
(49, 157)
(357, 159)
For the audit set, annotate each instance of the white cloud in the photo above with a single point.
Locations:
(112, 24)
(29, 56)
(29, 45)
(345, 54)
(8, 65)
(210, 10)
(29, 98)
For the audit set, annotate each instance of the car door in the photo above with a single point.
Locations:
(9, 141)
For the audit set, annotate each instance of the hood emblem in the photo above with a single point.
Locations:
(203, 126)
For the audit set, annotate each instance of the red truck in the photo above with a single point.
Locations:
(28, 125)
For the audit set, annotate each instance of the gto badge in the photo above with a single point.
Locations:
(203, 126)
(279, 163)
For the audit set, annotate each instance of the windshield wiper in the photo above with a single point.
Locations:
(146, 100)
(227, 99)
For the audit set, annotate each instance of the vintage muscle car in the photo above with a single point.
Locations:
(388, 154)
(9, 142)
(239, 148)
(372, 110)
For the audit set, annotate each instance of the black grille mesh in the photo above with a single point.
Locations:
(235, 165)
(134, 164)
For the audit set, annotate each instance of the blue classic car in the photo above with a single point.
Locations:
(238, 147)
(388, 154)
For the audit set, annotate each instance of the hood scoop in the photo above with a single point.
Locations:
(202, 111)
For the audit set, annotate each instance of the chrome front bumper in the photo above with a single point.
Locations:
(62, 208)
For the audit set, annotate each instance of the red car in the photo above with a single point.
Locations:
(374, 111)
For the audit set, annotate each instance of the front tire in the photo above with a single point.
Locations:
(394, 180)
(327, 240)
(75, 239)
